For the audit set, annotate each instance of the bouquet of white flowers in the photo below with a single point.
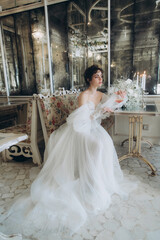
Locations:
(133, 92)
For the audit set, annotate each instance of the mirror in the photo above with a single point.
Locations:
(135, 42)
(9, 46)
(40, 51)
(87, 34)
(2, 81)
(78, 34)
(59, 45)
(18, 49)
(77, 42)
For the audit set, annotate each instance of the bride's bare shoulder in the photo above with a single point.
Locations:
(83, 97)
(100, 94)
(84, 93)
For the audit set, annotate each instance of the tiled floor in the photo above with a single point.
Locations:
(137, 218)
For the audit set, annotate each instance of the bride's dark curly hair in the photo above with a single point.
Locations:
(89, 73)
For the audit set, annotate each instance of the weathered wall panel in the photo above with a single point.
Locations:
(8, 4)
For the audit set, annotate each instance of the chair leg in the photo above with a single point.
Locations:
(36, 154)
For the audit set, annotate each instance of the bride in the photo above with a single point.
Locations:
(80, 174)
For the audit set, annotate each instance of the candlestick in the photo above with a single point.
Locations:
(41, 72)
(144, 81)
(43, 62)
(45, 84)
(137, 84)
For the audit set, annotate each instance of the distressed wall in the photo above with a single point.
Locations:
(135, 40)
(59, 45)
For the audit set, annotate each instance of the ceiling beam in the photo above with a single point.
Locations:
(28, 7)
(21, 9)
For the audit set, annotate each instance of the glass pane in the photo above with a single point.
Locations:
(12, 62)
(135, 42)
(2, 81)
(77, 42)
(19, 54)
(10, 50)
(97, 37)
(40, 50)
(23, 24)
(87, 34)
(59, 45)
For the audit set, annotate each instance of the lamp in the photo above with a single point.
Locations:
(38, 30)
(37, 34)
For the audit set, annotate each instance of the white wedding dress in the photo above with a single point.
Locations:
(79, 177)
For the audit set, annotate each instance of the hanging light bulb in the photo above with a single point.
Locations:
(38, 30)
(90, 54)
(38, 34)
(98, 57)
(77, 52)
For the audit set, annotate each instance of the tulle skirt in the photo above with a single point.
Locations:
(80, 174)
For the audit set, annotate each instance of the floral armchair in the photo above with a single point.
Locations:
(29, 147)
(54, 110)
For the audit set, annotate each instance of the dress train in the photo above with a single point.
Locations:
(79, 177)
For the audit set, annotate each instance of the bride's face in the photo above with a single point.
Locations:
(97, 79)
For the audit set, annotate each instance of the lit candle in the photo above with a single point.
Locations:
(144, 81)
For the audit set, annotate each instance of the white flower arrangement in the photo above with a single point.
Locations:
(134, 93)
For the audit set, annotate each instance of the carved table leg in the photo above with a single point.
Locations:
(135, 134)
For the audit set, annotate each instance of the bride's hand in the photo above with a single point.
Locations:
(106, 109)
(120, 96)
(121, 93)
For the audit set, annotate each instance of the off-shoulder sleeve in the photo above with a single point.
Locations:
(99, 113)
(107, 102)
